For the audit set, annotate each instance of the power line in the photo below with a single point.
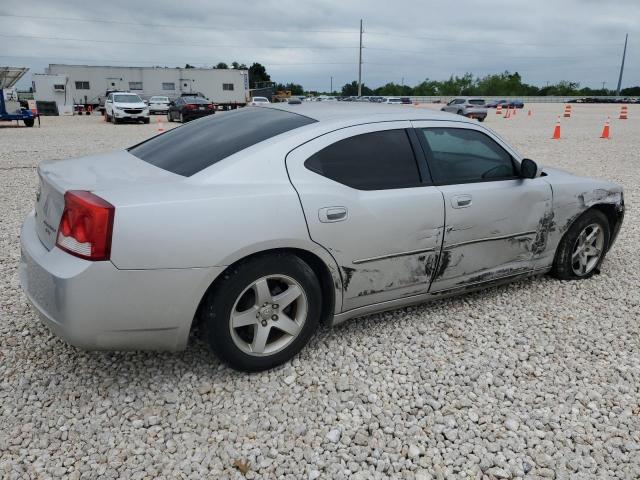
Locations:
(173, 25)
(158, 62)
(487, 42)
(309, 47)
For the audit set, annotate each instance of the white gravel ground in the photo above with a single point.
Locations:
(539, 379)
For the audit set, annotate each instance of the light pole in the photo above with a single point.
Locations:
(331, 90)
(360, 63)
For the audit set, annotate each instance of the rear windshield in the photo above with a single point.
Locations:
(192, 147)
(195, 100)
(476, 101)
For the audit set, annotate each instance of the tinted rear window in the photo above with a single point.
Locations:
(192, 147)
(195, 100)
(478, 101)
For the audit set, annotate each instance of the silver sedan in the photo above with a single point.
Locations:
(259, 224)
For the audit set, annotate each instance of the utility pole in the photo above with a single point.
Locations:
(331, 91)
(624, 53)
(360, 63)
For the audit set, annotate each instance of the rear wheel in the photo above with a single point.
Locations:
(583, 247)
(263, 312)
(28, 122)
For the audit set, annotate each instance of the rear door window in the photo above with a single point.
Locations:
(192, 147)
(371, 161)
(460, 155)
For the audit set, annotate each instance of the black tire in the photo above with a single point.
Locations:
(107, 117)
(220, 301)
(29, 122)
(169, 117)
(562, 265)
(146, 120)
(115, 120)
(481, 119)
(459, 112)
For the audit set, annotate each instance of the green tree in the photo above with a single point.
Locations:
(221, 66)
(294, 88)
(351, 89)
(257, 73)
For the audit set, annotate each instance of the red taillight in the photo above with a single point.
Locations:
(212, 106)
(190, 106)
(86, 226)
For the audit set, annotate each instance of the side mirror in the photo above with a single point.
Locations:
(528, 168)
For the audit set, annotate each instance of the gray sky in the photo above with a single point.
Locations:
(308, 42)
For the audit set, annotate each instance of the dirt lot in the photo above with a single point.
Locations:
(538, 379)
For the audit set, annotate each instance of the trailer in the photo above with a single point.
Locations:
(90, 84)
(11, 110)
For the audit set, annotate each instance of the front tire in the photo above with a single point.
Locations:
(28, 122)
(583, 248)
(263, 312)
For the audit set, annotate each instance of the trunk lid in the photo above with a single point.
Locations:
(115, 170)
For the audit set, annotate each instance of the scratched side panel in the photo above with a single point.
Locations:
(498, 235)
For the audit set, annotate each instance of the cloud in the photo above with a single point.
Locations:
(309, 42)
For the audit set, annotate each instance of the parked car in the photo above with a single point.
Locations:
(125, 106)
(159, 104)
(259, 101)
(394, 100)
(405, 100)
(505, 103)
(468, 107)
(262, 223)
(185, 109)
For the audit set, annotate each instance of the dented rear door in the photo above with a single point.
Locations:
(496, 224)
(387, 237)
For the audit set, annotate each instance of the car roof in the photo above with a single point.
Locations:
(364, 112)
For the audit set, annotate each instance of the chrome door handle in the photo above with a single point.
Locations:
(332, 214)
(461, 201)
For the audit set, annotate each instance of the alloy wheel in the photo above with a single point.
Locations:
(587, 249)
(268, 315)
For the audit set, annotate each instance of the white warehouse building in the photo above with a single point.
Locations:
(87, 84)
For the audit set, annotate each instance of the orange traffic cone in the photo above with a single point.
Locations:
(605, 129)
(160, 129)
(567, 111)
(556, 130)
(529, 114)
(623, 113)
(499, 110)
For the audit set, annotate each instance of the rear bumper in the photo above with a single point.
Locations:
(193, 115)
(95, 306)
(476, 114)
